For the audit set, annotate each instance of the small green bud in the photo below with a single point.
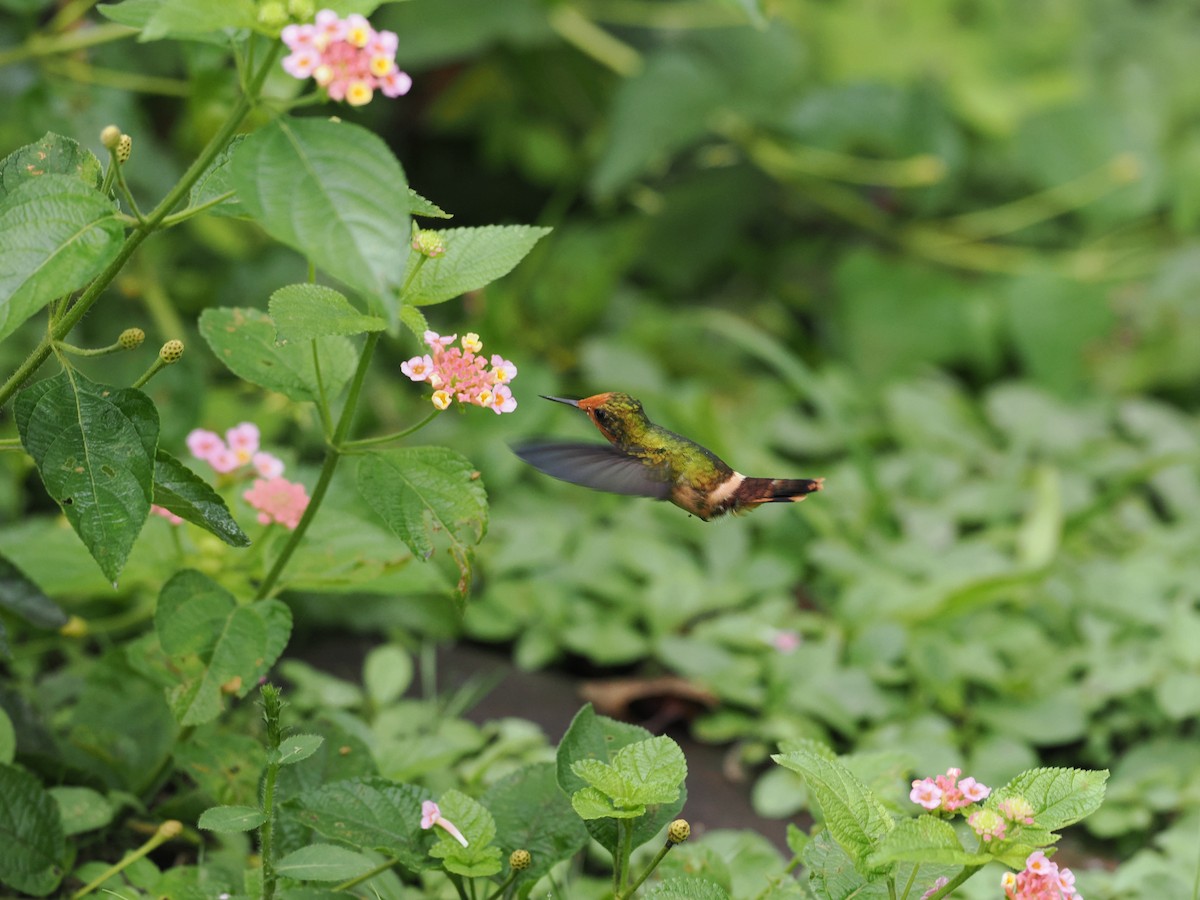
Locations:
(131, 338)
(124, 148)
(273, 14)
(109, 136)
(171, 351)
(678, 831)
(429, 243)
(520, 859)
(74, 628)
(301, 10)
(172, 828)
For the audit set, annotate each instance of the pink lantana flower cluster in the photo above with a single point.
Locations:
(946, 792)
(463, 374)
(1042, 879)
(347, 57)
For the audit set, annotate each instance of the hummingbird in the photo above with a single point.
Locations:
(646, 460)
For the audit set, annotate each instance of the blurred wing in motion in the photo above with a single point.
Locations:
(597, 466)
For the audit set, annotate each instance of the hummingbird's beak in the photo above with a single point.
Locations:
(574, 403)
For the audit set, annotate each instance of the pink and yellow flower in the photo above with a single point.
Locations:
(1041, 879)
(950, 793)
(347, 57)
(462, 373)
(277, 500)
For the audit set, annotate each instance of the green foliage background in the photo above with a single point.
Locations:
(941, 253)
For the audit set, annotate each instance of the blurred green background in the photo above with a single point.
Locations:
(940, 252)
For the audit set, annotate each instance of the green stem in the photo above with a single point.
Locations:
(267, 832)
(185, 214)
(63, 327)
(69, 14)
(159, 363)
(512, 876)
(85, 73)
(40, 45)
(658, 857)
(332, 456)
(586, 36)
(83, 351)
(456, 880)
(366, 876)
(912, 877)
(351, 446)
(953, 883)
(322, 399)
(166, 831)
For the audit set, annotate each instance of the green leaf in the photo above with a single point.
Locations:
(52, 154)
(23, 598)
(414, 320)
(306, 311)
(373, 813)
(215, 182)
(474, 257)
(183, 492)
(853, 814)
(82, 809)
(420, 490)
(532, 813)
(419, 206)
(94, 447)
(8, 739)
(599, 738)
(593, 803)
(924, 839)
(231, 818)
(323, 862)
(31, 834)
(1060, 797)
(244, 340)
(831, 873)
(688, 888)
(219, 646)
(479, 858)
(387, 673)
(159, 19)
(654, 769)
(298, 747)
(332, 191)
(56, 234)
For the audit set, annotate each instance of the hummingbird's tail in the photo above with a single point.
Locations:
(753, 491)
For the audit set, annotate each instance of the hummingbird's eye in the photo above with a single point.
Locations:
(602, 417)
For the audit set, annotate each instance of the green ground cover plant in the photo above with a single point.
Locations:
(941, 256)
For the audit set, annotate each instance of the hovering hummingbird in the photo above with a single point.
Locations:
(646, 460)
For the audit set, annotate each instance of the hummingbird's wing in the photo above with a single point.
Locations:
(598, 466)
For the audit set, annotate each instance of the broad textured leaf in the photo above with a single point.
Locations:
(52, 154)
(94, 447)
(244, 340)
(926, 840)
(854, 816)
(654, 769)
(82, 809)
(417, 490)
(414, 320)
(305, 311)
(323, 862)
(231, 818)
(532, 813)
(214, 182)
(332, 191)
(1059, 797)
(191, 613)
(31, 834)
(387, 673)
(592, 803)
(474, 257)
(159, 19)
(23, 598)
(605, 778)
(832, 874)
(479, 858)
(298, 747)
(373, 813)
(183, 492)
(419, 206)
(56, 234)
(688, 888)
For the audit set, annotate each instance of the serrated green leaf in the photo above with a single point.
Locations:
(332, 191)
(854, 816)
(302, 312)
(191, 613)
(927, 840)
(653, 769)
(214, 182)
(31, 835)
(158, 19)
(604, 778)
(831, 873)
(592, 803)
(94, 447)
(51, 154)
(417, 490)
(479, 858)
(414, 320)
(387, 673)
(244, 340)
(419, 206)
(183, 492)
(474, 257)
(370, 812)
(56, 234)
(688, 888)
(82, 809)
(23, 598)
(323, 862)
(532, 813)
(1059, 797)
(298, 747)
(231, 818)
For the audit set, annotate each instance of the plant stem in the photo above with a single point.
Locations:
(365, 876)
(332, 455)
(350, 446)
(166, 831)
(658, 857)
(267, 831)
(40, 45)
(911, 878)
